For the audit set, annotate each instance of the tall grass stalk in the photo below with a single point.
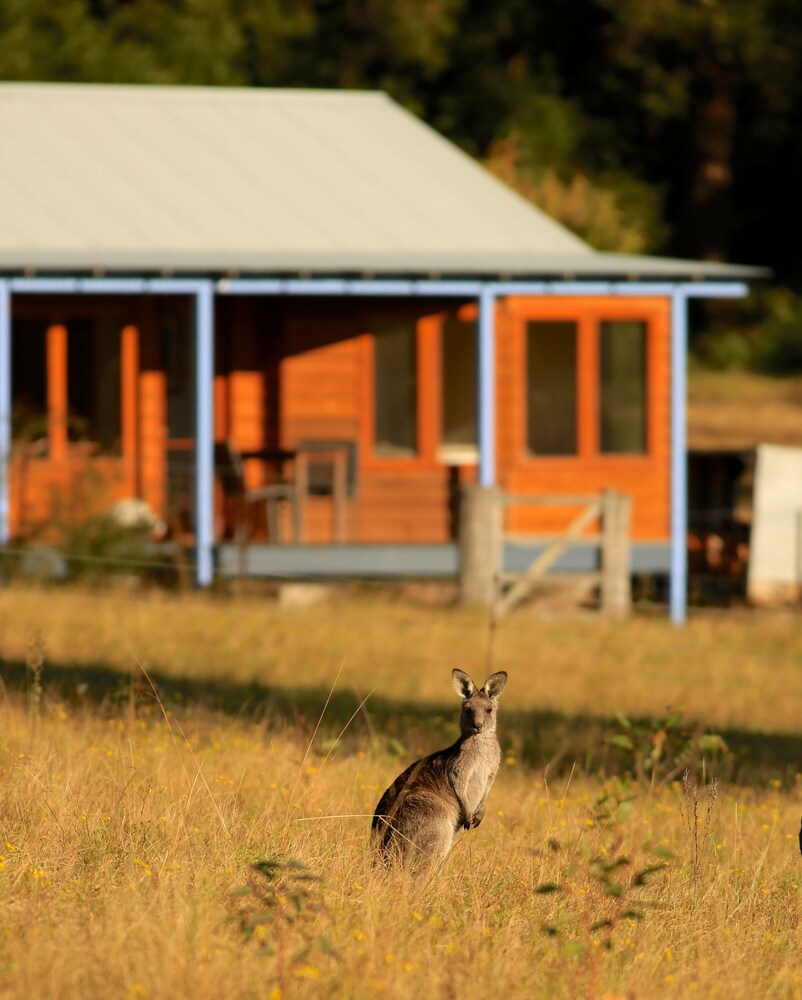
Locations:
(699, 823)
(34, 662)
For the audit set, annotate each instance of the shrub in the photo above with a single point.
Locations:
(765, 336)
(778, 341)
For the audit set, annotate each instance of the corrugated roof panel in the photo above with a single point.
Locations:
(214, 171)
(212, 179)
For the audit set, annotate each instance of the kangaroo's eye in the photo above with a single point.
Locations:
(489, 711)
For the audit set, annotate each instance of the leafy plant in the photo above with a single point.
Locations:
(274, 910)
(616, 878)
(606, 890)
(91, 539)
(659, 750)
(611, 211)
(613, 806)
(764, 334)
(778, 339)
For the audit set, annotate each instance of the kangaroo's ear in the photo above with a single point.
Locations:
(494, 684)
(463, 685)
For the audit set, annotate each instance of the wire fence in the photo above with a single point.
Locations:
(175, 563)
(718, 554)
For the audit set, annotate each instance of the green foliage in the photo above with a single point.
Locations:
(726, 350)
(99, 547)
(615, 882)
(613, 806)
(80, 542)
(611, 213)
(659, 750)
(765, 336)
(778, 339)
(276, 911)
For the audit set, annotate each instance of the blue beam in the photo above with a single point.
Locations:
(486, 404)
(106, 286)
(470, 289)
(204, 433)
(678, 598)
(369, 288)
(5, 410)
(44, 286)
(716, 290)
(696, 289)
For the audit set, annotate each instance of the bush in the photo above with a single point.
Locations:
(778, 341)
(611, 211)
(726, 350)
(766, 337)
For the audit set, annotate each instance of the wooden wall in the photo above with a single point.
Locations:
(326, 391)
(296, 370)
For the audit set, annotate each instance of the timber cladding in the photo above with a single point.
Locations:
(328, 389)
(582, 400)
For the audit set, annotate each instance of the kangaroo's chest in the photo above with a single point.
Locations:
(474, 772)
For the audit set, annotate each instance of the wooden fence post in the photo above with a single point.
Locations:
(480, 544)
(616, 592)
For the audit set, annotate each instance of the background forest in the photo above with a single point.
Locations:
(668, 126)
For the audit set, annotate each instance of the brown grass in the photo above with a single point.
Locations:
(129, 824)
(739, 410)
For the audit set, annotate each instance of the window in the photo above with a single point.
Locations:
(459, 383)
(551, 374)
(396, 389)
(622, 393)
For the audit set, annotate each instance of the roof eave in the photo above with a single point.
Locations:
(583, 267)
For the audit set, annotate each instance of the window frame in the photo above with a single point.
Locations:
(588, 315)
(427, 335)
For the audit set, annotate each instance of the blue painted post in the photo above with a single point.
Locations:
(204, 433)
(5, 410)
(679, 459)
(487, 387)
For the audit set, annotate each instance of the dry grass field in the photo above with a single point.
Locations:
(734, 410)
(186, 785)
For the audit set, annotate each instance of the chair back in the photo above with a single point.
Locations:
(229, 468)
(321, 473)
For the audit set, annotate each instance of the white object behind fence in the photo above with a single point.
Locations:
(775, 553)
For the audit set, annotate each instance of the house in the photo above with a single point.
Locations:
(181, 267)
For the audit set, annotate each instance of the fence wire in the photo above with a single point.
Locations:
(528, 622)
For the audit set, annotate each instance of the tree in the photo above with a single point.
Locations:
(671, 123)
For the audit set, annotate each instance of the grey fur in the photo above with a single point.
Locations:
(435, 798)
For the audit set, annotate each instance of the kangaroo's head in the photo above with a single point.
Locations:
(478, 707)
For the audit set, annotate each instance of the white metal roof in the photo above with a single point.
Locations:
(213, 180)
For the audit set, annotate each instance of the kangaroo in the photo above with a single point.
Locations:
(435, 798)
